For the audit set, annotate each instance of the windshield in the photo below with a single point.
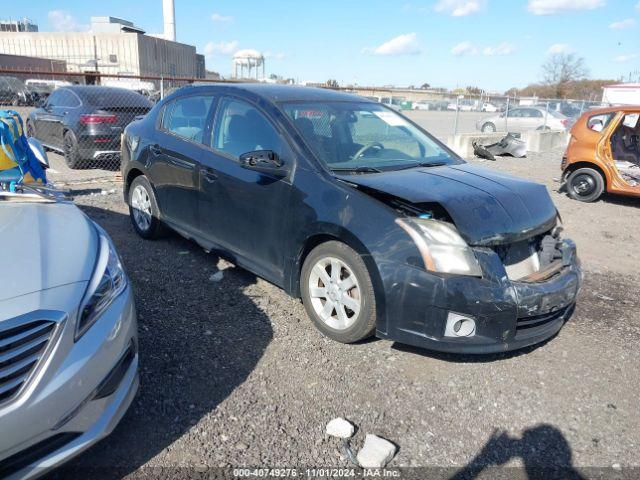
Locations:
(364, 136)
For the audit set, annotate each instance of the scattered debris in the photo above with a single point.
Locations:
(603, 297)
(509, 145)
(339, 427)
(376, 452)
(216, 277)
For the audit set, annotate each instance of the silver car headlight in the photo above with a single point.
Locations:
(107, 282)
(441, 246)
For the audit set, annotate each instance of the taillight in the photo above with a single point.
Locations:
(95, 118)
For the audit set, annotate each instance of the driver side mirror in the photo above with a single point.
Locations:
(264, 161)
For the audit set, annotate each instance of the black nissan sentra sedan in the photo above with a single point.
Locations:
(378, 226)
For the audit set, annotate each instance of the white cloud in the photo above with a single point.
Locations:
(63, 21)
(274, 55)
(503, 49)
(459, 8)
(216, 17)
(406, 44)
(551, 7)
(464, 48)
(622, 24)
(221, 48)
(559, 48)
(625, 58)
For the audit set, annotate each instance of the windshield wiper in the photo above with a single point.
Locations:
(422, 164)
(362, 169)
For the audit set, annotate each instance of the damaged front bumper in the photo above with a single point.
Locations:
(506, 314)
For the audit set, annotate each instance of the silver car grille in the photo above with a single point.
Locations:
(21, 348)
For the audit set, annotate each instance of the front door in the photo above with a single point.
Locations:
(180, 143)
(242, 210)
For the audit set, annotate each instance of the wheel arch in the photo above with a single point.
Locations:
(586, 164)
(343, 235)
(132, 174)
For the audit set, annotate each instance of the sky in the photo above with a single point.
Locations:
(492, 44)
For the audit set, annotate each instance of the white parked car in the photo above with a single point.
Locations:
(462, 106)
(523, 118)
(421, 106)
(489, 107)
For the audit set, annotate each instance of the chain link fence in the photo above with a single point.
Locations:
(79, 117)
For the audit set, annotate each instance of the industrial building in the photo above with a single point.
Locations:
(113, 46)
(20, 25)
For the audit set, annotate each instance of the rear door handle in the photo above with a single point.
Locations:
(208, 174)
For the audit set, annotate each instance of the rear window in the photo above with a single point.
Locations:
(599, 122)
(556, 114)
(115, 97)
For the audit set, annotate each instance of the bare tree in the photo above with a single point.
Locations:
(561, 69)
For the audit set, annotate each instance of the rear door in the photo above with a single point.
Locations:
(242, 210)
(532, 119)
(184, 128)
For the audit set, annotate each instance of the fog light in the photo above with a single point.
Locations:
(459, 326)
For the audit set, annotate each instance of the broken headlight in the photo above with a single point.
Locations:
(441, 246)
(107, 282)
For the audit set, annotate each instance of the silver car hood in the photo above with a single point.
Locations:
(44, 245)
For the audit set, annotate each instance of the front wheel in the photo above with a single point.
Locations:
(337, 292)
(585, 185)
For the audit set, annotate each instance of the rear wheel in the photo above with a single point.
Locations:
(72, 151)
(585, 185)
(143, 209)
(488, 128)
(337, 292)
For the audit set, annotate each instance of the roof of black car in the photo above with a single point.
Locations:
(287, 93)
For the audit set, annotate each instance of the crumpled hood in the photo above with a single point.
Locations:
(486, 206)
(44, 245)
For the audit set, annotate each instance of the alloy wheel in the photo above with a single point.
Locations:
(335, 293)
(141, 205)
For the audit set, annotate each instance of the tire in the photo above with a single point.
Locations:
(488, 128)
(353, 305)
(585, 185)
(143, 205)
(72, 151)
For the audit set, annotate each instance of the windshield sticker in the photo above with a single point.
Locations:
(391, 119)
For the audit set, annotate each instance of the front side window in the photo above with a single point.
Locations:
(187, 117)
(515, 113)
(364, 135)
(241, 128)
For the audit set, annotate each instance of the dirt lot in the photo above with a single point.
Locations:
(234, 374)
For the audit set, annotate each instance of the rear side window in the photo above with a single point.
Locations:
(67, 99)
(187, 117)
(597, 123)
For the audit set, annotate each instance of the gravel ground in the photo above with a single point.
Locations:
(234, 374)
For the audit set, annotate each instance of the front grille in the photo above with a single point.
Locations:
(528, 326)
(21, 348)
